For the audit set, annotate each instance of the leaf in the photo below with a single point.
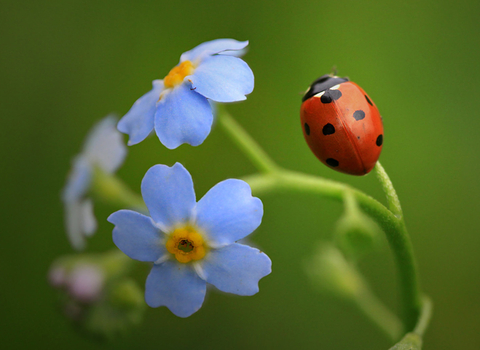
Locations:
(410, 341)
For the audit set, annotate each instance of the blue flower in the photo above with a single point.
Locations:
(103, 149)
(178, 106)
(192, 244)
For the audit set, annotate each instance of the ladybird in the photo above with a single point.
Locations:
(342, 125)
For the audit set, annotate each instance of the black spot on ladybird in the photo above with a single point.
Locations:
(379, 141)
(328, 129)
(359, 115)
(332, 162)
(368, 100)
(358, 137)
(307, 129)
(330, 95)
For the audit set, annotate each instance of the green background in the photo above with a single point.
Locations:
(65, 64)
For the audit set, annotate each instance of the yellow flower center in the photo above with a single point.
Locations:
(177, 74)
(186, 244)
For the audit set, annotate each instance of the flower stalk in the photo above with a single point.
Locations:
(275, 179)
(110, 189)
(392, 198)
(245, 142)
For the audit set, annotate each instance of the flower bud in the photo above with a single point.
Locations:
(356, 233)
(95, 293)
(333, 274)
(121, 310)
(86, 282)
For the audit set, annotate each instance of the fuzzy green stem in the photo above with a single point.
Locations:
(397, 236)
(333, 274)
(413, 340)
(115, 263)
(245, 142)
(392, 198)
(110, 189)
(350, 204)
(425, 316)
(273, 178)
(379, 314)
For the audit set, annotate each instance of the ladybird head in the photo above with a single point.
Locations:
(321, 84)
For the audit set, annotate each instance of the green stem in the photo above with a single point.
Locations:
(110, 189)
(425, 316)
(351, 207)
(276, 179)
(115, 263)
(397, 236)
(333, 274)
(245, 142)
(413, 340)
(381, 316)
(392, 198)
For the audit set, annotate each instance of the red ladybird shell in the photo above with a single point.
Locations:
(343, 127)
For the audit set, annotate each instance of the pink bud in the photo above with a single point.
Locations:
(85, 283)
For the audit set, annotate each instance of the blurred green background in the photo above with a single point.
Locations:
(65, 64)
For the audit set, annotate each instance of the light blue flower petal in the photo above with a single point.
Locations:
(223, 79)
(214, 107)
(139, 121)
(176, 286)
(79, 218)
(236, 268)
(136, 235)
(78, 181)
(89, 220)
(238, 53)
(104, 146)
(213, 47)
(168, 194)
(79, 222)
(228, 212)
(183, 116)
